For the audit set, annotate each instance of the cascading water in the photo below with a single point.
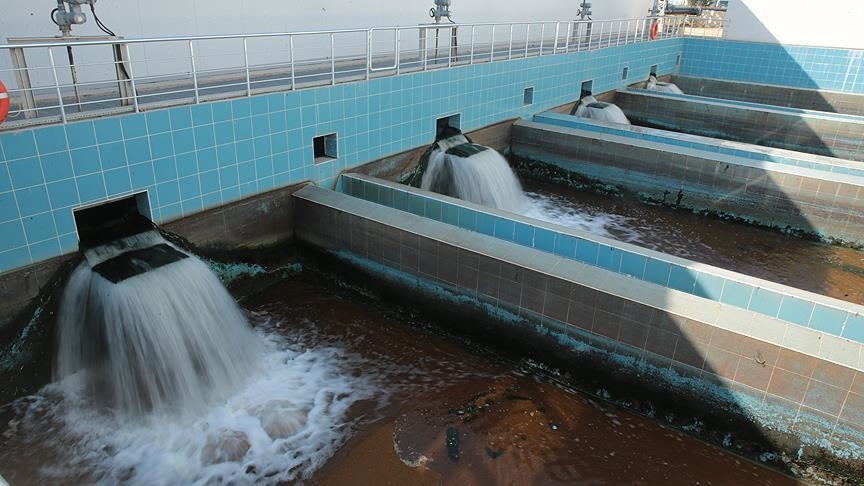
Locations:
(659, 86)
(152, 328)
(481, 175)
(474, 173)
(160, 379)
(589, 107)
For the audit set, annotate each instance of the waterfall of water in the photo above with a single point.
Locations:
(161, 380)
(589, 107)
(152, 329)
(659, 86)
(473, 173)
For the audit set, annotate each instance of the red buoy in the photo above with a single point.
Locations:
(4, 102)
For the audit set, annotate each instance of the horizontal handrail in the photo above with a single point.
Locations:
(45, 85)
(140, 40)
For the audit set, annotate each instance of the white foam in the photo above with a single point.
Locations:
(654, 85)
(287, 420)
(556, 209)
(604, 112)
(643, 228)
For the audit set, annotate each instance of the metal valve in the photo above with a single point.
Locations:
(441, 9)
(65, 17)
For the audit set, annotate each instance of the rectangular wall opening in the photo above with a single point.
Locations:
(625, 72)
(528, 96)
(653, 71)
(448, 126)
(325, 147)
(678, 60)
(112, 220)
(587, 88)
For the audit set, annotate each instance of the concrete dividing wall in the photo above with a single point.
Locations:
(670, 339)
(760, 124)
(686, 141)
(807, 99)
(772, 194)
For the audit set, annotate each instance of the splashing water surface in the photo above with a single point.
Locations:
(161, 380)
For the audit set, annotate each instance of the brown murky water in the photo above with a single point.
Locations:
(444, 412)
(809, 265)
(451, 413)
(458, 415)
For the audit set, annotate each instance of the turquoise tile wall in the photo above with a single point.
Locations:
(606, 254)
(797, 66)
(196, 157)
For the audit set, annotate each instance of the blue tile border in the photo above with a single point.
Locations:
(646, 265)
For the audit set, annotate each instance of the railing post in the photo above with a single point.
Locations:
(246, 67)
(194, 73)
(368, 53)
(569, 33)
(291, 53)
(22, 76)
(57, 85)
(600, 37)
(492, 46)
(471, 59)
(557, 33)
(132, 83)
(332, 59)
(542, 37)
(398, 47)
(510, 44)
(527, 37)
(425, 46)
(450, 47)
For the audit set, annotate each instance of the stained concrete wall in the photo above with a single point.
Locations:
(804, 199)
(806, 99)
(810, 133)
(669, 340)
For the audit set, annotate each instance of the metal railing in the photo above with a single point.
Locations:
(55, 80)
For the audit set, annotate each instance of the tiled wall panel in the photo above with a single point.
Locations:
(797, 66)
(192, 158)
